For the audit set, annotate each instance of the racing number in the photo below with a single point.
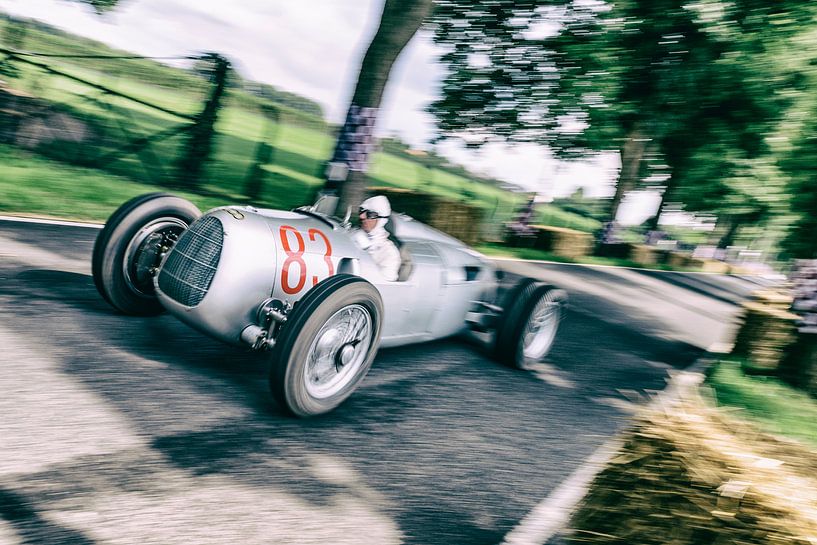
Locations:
(296, 257)
(292, 257)
(327, 253)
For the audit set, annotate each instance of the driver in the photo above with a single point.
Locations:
(374, 213)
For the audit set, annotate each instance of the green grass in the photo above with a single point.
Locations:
(299, 150)
(301, 141)
(772, 404)
(500, 250)
(31, 184)
(548, 214)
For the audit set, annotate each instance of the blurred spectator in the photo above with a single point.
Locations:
(654, 236)
(608, 233)
(520, 226)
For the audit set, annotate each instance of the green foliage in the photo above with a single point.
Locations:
(577, 203)
(798, 159)
(300, 142)
(690, 91)
(779, 408)
(557, 216)
(284, 98)
(430, 160)
(43, 38)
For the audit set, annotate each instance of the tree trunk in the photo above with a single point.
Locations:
(346, 174)
(190, 165)
(724, 232)
(729, 236)
(652, 223)
(632, 153)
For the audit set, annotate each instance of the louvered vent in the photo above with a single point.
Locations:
(189, 269)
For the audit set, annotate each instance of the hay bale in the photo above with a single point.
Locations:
(455, 218)
(683, 261)
(765, 335)
(690, 475)
(562, 241)
(779, 298)
(571, 243)
(714, 266)
(646, 255)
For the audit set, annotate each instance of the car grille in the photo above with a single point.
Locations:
(189, 269)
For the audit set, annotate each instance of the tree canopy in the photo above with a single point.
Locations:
(662, 82)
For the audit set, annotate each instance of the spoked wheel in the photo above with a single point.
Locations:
(327, 346)
(338, 351)
(130, 247)
(529, 323)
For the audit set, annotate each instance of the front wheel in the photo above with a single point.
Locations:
(129, 248)
(327, 346)
(529, 323)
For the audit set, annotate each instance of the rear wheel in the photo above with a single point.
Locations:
(129, 249)
(327, 346)
(529, 323)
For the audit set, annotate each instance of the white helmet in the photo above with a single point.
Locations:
(380, 205)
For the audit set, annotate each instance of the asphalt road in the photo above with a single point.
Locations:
(130, 430)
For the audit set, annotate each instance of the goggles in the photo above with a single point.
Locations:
(370, 214)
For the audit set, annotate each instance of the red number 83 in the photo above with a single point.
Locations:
(297, 257)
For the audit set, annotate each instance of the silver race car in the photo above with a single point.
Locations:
(297, 285)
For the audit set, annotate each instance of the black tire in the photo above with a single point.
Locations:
(294, 391)
(528, 299)
(113, 262)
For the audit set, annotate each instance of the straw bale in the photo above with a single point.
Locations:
(714, 266)
(646, 255)
(677, 260)
(779, 298)
(766, 333)
(694, 475)
(563, 241)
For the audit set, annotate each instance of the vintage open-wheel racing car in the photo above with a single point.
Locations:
(297, 285)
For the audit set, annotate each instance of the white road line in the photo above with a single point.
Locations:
(552, 513)
(44, 221)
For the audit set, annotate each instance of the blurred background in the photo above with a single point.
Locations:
(686, 124)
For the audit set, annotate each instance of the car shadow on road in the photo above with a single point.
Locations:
(67, 288)
(608, 333)
(22, 515)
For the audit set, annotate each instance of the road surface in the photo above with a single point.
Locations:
(141, 430)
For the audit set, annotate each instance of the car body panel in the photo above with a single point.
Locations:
(272, 254)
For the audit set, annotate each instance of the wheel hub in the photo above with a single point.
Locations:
(145, 250)
(541, 329)
(338, 351)
(344, 355)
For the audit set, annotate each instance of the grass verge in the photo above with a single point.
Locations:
(498, 250)
(772, 404)
(33, 185)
